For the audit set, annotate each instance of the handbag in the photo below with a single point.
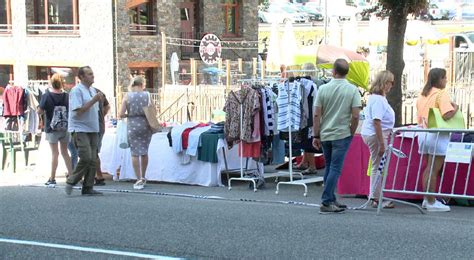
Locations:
(122, 135)
(435, 118)
(150, 114)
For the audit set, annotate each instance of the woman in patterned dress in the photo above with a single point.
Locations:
(139, 131)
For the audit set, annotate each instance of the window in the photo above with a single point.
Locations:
(55, 16)
(231, 16)
(5, 16)
(142, 19)
(147, 73)
(6, 74)
(69, 74)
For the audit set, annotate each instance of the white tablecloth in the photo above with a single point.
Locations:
(165, 165)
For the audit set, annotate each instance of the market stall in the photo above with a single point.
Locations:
(354, 179)
(166, 165)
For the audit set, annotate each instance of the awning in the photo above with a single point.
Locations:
(134, 3)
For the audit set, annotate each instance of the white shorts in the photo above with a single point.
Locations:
(431, 143)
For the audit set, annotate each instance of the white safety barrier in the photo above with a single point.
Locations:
(404, 176)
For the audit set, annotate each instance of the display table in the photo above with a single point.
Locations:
(167, 166)
(354, 179)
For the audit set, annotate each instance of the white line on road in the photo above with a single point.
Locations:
(85, 249)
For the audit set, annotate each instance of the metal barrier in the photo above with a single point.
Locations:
(406, 175)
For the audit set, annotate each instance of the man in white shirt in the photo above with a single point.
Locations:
(83, 125)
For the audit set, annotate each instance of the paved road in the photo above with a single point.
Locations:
(164, 221)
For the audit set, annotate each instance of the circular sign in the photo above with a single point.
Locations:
(210, 49)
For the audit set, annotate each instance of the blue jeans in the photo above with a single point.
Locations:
(73, 151)
(334, 154)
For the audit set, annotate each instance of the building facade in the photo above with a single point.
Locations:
(38, 38)
(141, 22)
(117, 38)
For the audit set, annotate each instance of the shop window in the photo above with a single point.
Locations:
(231, 16)
(55, 16)
(5, 16)
(142, 19)
(69, 74)
(6, 74)
(147, 73)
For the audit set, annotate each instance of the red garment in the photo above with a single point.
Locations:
(185, 134)
(250, 149)
(13, 101)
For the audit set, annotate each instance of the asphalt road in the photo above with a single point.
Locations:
(180, 221)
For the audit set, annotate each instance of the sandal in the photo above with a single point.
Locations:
(309, 171)
(300, 167)
(388, 205)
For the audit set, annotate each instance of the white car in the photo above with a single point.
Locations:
(436, 13)
(464, 41)
(280, 14)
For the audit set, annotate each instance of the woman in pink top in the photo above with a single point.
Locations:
(432, 145)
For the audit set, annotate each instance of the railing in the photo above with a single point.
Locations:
(142, 29)
(53, 28)
(188, 48)
(5, 28)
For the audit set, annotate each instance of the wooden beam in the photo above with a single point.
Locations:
(144, 64)
(134, 3)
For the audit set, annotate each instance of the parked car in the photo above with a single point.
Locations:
(464, 41)
(313, 13)
(467, 12)
(262, 18)
(281, 14)
(437, 13)
(362, 13)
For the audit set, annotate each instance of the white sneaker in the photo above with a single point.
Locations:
(423, 205)
(138, 185)
(437, 207)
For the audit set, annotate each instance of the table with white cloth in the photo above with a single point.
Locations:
(167, 166)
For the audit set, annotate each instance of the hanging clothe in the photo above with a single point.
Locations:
(289, 114)
(248, 98)
(13, 101)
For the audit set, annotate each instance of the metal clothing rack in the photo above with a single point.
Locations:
(242, 176)
(302, 181)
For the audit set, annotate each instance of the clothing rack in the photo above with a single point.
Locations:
(242, 176)
(303, 181)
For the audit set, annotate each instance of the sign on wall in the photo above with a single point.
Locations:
(210, 49)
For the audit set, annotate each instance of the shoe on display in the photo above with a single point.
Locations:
(329, 209)
(437, 206)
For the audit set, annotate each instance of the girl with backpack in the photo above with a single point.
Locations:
(54, 104)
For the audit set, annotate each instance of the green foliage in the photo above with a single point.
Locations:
(384, 7)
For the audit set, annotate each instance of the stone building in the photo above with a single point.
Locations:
(140, 23)
(117, 38)
(38, 38)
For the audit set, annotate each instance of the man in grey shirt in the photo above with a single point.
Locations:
(83, 125)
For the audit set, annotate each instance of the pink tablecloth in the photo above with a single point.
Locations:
(354, 179)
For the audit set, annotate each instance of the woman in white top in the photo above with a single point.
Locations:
(377, 127)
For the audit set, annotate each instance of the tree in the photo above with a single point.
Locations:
(397, 12)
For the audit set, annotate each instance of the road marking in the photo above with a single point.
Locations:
(85, 249)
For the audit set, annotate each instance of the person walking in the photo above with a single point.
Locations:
(377, 127)
(139, 131)
(104, 108)
(432, 146)
(54, 104)
(336, 117)
(84, 128)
